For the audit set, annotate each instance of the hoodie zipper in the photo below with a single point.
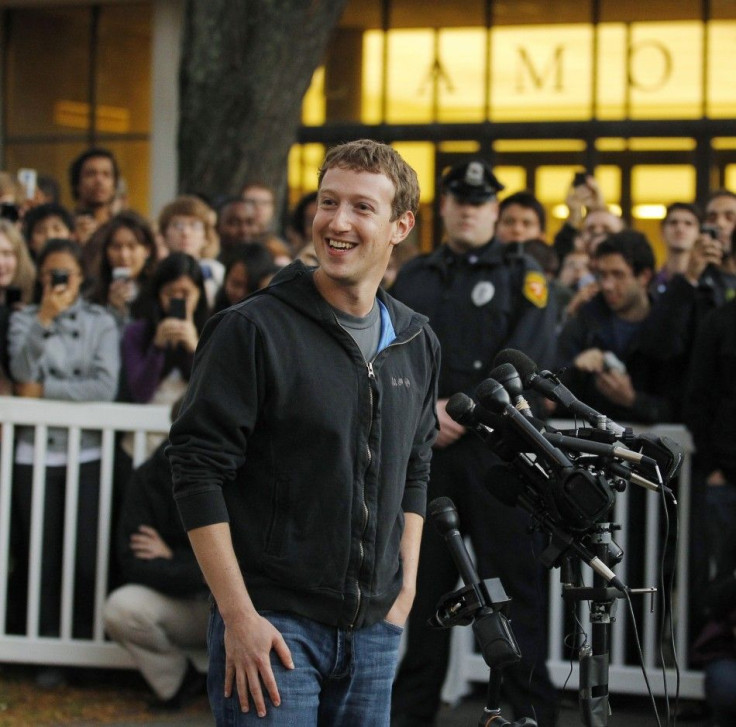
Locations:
(371, 375)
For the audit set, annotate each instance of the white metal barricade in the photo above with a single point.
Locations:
(108, 419)
(466, 665)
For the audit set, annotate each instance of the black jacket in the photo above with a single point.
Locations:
(710, 402)
(312, 454)
(476, 304)
(148, 501)
(584, 331)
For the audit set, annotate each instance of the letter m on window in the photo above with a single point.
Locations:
(533, 77)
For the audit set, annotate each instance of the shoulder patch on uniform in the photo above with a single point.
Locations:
(535, 288)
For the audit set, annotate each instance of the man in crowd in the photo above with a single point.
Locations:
(236, 225)
(480, 297)
(261, 201)
(600, 347)
(303, 488)
(680, 229)
(521, 217)
(93, 178)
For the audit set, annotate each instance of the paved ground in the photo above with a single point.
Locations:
(627, 712)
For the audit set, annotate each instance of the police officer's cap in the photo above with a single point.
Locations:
(472, 181)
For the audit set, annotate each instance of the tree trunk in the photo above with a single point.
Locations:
(245, 67)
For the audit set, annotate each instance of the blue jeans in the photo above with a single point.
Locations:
(340, 677)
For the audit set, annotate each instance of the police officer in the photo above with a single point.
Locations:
(481, 296)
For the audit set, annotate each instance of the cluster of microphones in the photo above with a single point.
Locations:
(566, 479)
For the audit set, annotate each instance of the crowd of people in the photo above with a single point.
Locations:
(101, 304)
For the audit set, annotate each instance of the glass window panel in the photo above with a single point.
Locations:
(611, 82)
(371, 106)
(541, 73)
(512, 178)
(722, 9)
(721, 94)
(313, 105)
(47, 62)
(729, 177)
(420, 156)
(662, 183)
(411, 70)
(553, 182)
(304, 163)
(462, 75)
(666, 70)
(636, 10)
(538, 12)
(124, 69)
(423, 14)
(608, 177)
(362, 14)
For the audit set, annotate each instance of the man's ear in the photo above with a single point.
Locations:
(645, 277)
(403, 226)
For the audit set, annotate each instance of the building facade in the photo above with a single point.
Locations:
(644, 94)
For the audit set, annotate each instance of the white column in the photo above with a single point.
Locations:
(166, 40)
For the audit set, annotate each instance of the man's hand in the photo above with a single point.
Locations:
(706, 251)
(590, 360)
(450, 430)
(147, 544)
(248, 644)
(399, 612)
(617, 387)
(29, 389)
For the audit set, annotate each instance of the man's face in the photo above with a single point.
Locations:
(622, 290)
(598, 225)
(353, 233)
(96, 183)
(518, 224)
(721, 212)
(261, 207)
(237, 224)
(680, 229)
(467, 226)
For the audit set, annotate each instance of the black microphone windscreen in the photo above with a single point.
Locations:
(492, 395)
(519, 360)
(443, 514)
(460, 408)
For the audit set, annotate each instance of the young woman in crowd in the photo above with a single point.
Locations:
(158, 348)
(128, 257)
(250, 265)
(62, 347)
(188, 225)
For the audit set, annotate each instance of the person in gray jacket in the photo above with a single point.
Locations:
(62, 348)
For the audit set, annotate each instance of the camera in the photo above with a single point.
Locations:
(711, 230)
(177, 308)
(579, 179)
(611, 362)
(9, 211)
(121, 273)
(59, 277)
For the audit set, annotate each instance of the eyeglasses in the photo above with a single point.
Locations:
(258, 202)
(181, 225)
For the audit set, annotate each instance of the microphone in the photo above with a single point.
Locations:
(494, 397)
(443, 514)
(509, 378)
(548, 384)
(466, 412)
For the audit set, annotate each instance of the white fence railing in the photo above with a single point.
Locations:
(466, 664)
(109, 419)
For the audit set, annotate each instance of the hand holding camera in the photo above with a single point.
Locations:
(57, 296)
(176, 329)
(707, 250)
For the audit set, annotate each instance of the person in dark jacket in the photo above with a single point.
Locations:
(300, 461)
(600, 348)
(161, 612)
(481, 296)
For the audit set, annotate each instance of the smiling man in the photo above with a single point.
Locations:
(300, 463)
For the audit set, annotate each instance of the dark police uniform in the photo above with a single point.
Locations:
(478, 303)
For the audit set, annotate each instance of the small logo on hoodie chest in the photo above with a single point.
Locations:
(400, 382)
